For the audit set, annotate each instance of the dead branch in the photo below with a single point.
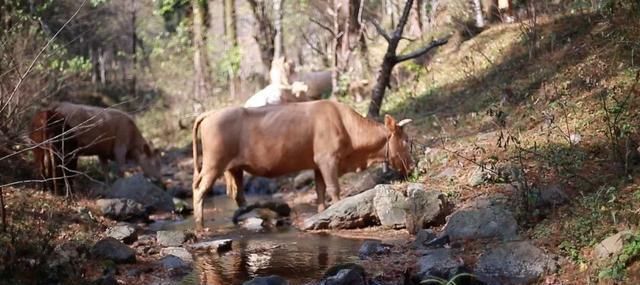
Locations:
(421, 51)
(380, 30)
(4, 214)
(323, 26)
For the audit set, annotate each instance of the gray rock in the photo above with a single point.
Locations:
(373, 247)
(171, 262)
(170, 238)
(107, 279)
(448, 173)
(351, 212)
(304, 178)
(121, 209)
(612, 245)
(551, 196)
(364, 180)
(123, 232)
(137, 188)
(280, 209)
(442, 262)
(267, 280)
(179, 252)
(422, 237)
(424, 208)
(390, 206)
(344, 274)
(256, 185)
(216, 245)
(63, 254)
(253, 224)
(481, 223)
(113, 249)
(513, 263)
(479, 176)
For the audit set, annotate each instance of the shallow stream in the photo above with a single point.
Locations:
(297, 256)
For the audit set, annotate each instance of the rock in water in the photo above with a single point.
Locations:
(513, 263)
(112, 249)
(345, 274)
(351, 212)
(390, 206)
(137, 188)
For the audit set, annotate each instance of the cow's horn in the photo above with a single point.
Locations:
(404, 122)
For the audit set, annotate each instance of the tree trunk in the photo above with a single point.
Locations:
(279, 37)
(134, 43)
(384, 76)
(415, 22)
(199, 51)
(476, 6)
(264, 31)
(335, 49)
(232, 38)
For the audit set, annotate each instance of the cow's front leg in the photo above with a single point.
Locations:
(104, 163)
(120, 153)
(330, 174)
(320, 190)
(235, 189)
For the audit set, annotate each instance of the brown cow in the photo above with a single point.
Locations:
(53, 149)
(326, 136)
(111, 135)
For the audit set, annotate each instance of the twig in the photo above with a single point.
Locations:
(322, 26)
(26, 73)
(380, 30)
(4, 213)
(421, 51)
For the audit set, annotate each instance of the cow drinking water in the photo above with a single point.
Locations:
(326, 136)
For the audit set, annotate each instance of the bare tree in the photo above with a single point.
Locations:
(265, 33)
(391, 58)
(231, 30)
(200, 64)
(476, 6)
(279, 37)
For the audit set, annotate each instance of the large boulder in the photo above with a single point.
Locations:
(280, 209)
(442, 263)
(344, 274)
(137, 188)
(364, 180)
(513, 263)
(121, 209)
(481, 223)
(113, 249)
(303, 179)
(390, 206)
(351, 212)
(423, 207)
(123, 232)
(612, 245)
(423, 237)
(267, 280)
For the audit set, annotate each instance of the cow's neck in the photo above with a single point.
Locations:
(369, 140)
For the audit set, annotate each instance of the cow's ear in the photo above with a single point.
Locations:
(390, 123)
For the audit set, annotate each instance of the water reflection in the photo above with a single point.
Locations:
(297, 256)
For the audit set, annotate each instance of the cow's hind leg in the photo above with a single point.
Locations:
(201, 184)
(235, 189)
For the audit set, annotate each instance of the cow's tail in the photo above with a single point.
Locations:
(194, 137)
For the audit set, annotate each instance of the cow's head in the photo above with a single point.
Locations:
(150, 162)
(398, 146)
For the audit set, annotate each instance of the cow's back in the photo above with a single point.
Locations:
(97, 129)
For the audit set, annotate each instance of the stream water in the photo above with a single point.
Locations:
(297, 256)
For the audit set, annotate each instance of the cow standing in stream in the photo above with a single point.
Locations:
(326, 136)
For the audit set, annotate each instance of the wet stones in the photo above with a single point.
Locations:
(121, 209)
(221, 245)
(170, 238)
(442, 262)
(373, 247)
(113, 249)
(344, 274)
(123, 232)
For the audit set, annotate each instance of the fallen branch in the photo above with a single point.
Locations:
(421, 51)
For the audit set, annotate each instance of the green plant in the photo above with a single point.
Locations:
(629, 254)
